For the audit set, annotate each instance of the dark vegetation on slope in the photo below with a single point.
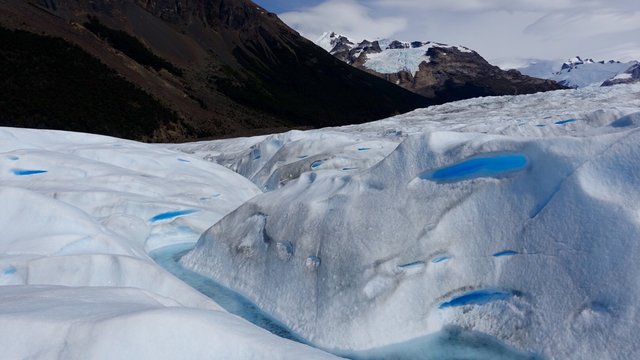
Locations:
(50, 83)
(233, 68)
(130, 46)
(226, 67)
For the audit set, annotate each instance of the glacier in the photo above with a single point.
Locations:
(540, 253)
(77, 281)
(490, 228)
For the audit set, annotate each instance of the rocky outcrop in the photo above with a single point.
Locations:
(436, 71)
(631, 75)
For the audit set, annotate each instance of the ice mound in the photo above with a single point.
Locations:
(76, 280)
(273, 161)
(519, 251)
(48, 322)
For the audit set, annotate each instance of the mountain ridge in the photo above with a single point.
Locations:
(241, 70)
(431, 69)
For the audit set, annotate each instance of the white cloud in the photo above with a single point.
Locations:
(585, 24)
(547, 29)
(488, 5)
(346, 17)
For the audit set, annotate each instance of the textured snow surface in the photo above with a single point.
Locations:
(537, 244)
(77, 223)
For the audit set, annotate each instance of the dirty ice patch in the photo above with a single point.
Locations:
(481, 166)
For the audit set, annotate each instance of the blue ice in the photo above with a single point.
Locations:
(565, 121)
(168, 258)
(440, 259)
(184, 160)
(451, 342)
(256, 154)
(505, 253)
(171, 215)
(476, 297)
(9, 270)
(364, 149)
(482, 166)
(302, 156)
(22, 172)
(348, 168)
(13, 157)
(412, 266)
(316, 164)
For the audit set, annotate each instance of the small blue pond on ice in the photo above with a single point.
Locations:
(505, 253)
(171, 214)
(493, 165)
(476, 297)
(439, 259)
(22, 172)
(565, 121)
(9, 270)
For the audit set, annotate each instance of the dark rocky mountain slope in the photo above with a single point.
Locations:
(186, 70)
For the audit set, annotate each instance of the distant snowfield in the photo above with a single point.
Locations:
(583, 75)
(515, 217)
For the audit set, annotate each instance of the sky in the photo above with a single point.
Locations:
(500, 30)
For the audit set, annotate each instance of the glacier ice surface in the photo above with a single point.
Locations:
(568, 205)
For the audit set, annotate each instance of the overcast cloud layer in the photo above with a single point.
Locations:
(545, 29)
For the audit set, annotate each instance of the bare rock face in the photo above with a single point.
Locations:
(435, 70)
(631, 75)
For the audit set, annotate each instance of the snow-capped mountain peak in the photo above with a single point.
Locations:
(385, 56)
(331, 41)
(575, 72)
(434, 70)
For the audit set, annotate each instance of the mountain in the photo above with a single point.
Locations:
(631, 75)
(434, 70)
(575, 72)
(172, 70)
